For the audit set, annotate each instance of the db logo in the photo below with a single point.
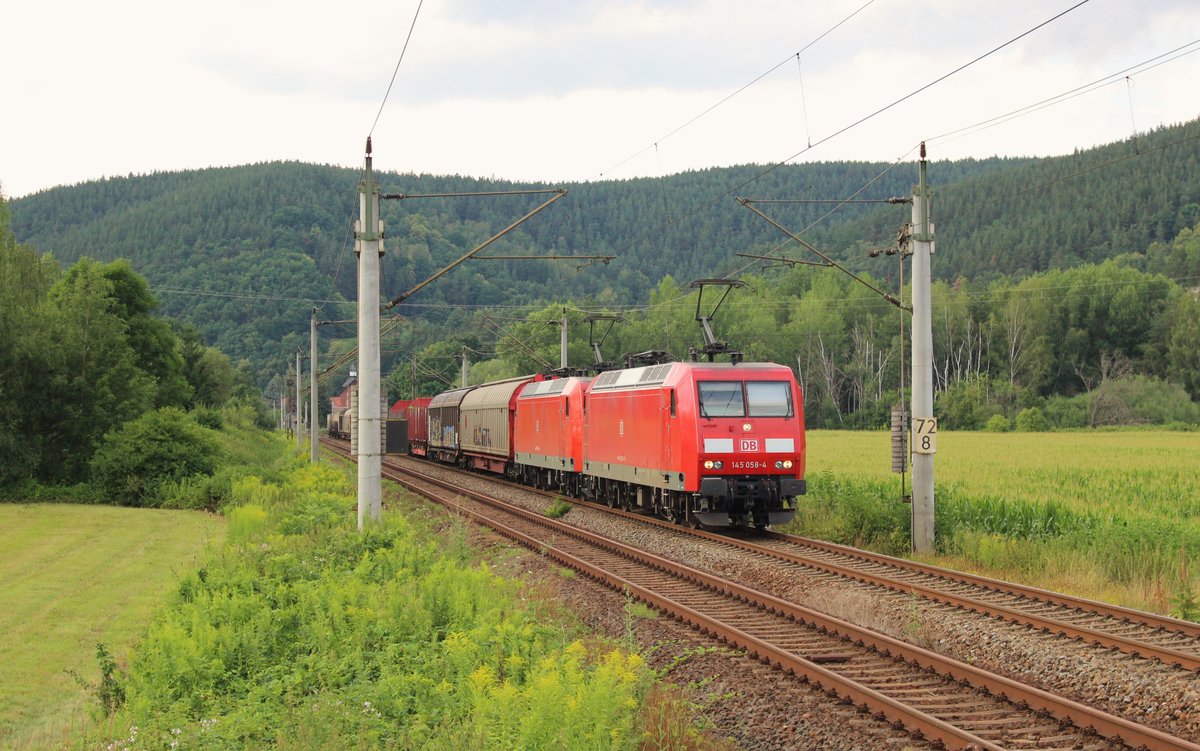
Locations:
(749, 445)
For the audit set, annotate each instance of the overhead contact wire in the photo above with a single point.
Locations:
(760, 77)
(407, 39)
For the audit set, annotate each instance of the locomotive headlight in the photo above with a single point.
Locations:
(783, 464)
(708, 464)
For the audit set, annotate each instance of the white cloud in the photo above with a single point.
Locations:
(542, 89)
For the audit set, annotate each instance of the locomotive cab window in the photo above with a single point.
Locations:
(738, 399)
(721, 399)
(769, 398)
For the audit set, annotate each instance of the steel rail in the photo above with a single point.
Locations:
(1152, 620)
(1131, 646)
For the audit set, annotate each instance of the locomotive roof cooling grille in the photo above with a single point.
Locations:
(655, 375)
(606, 379)
(632, 378)
(534, 389)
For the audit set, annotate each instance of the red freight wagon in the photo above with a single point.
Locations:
(399, 409)
(417, 415)
(708, 443)
(548, 433)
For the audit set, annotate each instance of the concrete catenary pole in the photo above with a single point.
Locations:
(562, 357)
(924, 424)
(312, 388)
(299, 423)
(466, 369)
(369, 248)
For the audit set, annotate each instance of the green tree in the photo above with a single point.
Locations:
(92, 382)
(1183, 352)
(1032, 420)
(154, 343)
(24, 279)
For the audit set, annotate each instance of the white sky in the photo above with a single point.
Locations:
(567, 90)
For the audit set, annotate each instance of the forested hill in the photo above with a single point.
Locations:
(236, 250)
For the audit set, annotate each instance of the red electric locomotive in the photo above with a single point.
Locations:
(716, 444)
(548, 434)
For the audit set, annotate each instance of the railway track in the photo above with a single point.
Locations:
(932, 696)
(1168, 640)
(1155, 637)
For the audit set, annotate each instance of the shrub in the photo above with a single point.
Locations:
(246, 523)
(1032, 420)
(1155, 401)
(1063, 412)
(208, 417)
(557, 509)
(970, 403)
(997, 424)
(165, 445)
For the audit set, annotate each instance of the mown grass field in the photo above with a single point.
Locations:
(74, 576)
(1112, 515)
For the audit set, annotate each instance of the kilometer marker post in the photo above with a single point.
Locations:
(924, 424)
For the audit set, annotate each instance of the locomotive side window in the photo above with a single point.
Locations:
(769, 398)
(721, 399)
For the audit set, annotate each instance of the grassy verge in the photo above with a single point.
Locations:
(1106, 515)
(74, 576)
(302, 632)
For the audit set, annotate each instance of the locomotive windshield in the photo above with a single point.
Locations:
(769, 398)
(732, 398)
(721, 399)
